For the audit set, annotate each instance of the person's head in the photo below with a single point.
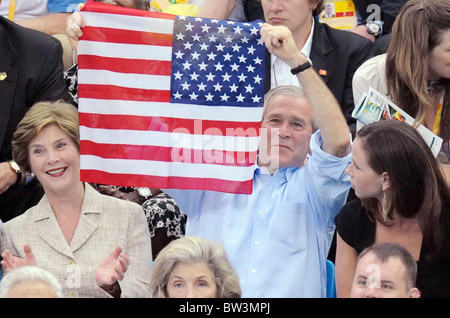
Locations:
(328, 8)
(392, 162)
(291, 13)
(30, 282)
(385, 270)
(193, 267)
(136, 4)
(418, 52)
(287, 127)
(47, 143)
(392, 166)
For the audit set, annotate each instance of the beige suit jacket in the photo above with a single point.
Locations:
(104, 224)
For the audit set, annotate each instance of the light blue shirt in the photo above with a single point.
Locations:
(55, 6)
(278, 237)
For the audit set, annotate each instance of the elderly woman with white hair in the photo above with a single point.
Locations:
(30, 282)
(193, 267)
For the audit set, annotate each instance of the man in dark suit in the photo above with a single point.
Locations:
(31, 70)
(335, 54)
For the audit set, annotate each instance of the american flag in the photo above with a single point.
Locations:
(169, 101)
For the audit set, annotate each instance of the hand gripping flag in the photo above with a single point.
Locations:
(169, 101)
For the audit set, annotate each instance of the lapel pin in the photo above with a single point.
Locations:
(3, 76)
(323, 72)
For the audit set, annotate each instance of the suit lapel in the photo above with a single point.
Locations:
(84, 230)
(322, 54)
(50, 232)
(89, 217)
(8, 85)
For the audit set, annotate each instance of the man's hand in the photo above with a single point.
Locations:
(7, 176)
(11, 262)
(75, 23)
(280, 42)
(326, 111)
(362, 30)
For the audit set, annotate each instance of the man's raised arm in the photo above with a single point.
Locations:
(326, 112)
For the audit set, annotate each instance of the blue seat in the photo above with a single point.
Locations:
(331, 283)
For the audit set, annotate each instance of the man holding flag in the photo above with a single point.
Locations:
(278, 237)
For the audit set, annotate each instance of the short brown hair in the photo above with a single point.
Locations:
(386, 251)
(37, 117)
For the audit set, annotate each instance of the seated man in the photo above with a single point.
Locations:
(278, 237)
(385, 270)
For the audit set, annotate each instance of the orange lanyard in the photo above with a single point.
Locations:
(12, 8)
(437, 119)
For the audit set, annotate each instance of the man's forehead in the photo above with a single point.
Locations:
(281, 101)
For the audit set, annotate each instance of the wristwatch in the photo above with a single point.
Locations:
(15, 167)
(144, 192)
(302, 67)
(374, 28)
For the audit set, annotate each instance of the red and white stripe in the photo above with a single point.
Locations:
(131, 135)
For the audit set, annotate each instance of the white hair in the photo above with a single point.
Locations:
(29, 274)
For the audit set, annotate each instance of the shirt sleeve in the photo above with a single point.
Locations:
(329, 183)
(55, 6)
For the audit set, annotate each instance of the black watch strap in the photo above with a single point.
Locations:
(301, 67)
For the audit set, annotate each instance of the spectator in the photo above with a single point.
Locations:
(193, 267)
(414, 73)
(89, 241)
(385, 270)
(402, 198)
(30, 282)
(31, 70)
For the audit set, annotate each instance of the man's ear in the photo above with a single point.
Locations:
(414, 293)
(386, 181)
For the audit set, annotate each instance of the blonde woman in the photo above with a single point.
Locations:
(95, 245)
(193, 267)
